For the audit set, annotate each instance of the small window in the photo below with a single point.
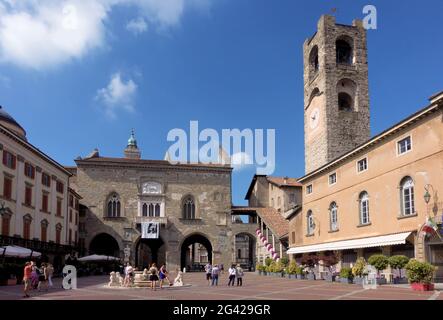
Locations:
(7, 188)
(309, 189)
(343, 52)
(28, 195)
(9, 160)
(333, 178)
(59, 207)
(293, 237)
(45, 203)
(60, 187)
(404, 145)
(71, 201)
(46, 180)
(362, 165)
(29, 170)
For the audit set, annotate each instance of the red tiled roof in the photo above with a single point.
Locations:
(284, 182)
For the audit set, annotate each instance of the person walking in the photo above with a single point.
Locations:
(27, 273)
(42, 280)
(34, 275)
(231, 271)
(239, 275)
(208, 271)
(163, 273)
(153, 276)
(214, 275)
(50, 270)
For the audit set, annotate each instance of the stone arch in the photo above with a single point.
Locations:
(314, 64)
(248, 250)
(344, 48)
(148, 251)
(104, 244)
(192, 239)
(347, 95)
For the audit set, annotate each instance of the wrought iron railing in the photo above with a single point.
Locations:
(37, 245)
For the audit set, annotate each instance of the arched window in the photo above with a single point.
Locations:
(343, 51)
(151, 210)
(145, 210)
(313, 60)
(407, 196)
(310, 222)
(157, 210)
(333, 216)
(189, 208)
(114, 206)
(364, 208)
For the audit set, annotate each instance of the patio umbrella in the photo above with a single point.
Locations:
(96, 257)
(18, 252)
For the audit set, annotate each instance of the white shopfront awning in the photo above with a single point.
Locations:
(380, 241)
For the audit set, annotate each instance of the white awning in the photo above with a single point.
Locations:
(381, 241)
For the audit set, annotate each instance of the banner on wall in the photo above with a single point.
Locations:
(150, 230)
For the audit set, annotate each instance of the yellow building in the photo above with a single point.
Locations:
(372, 199)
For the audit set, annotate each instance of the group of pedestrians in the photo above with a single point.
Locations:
(213, 272)
(154, 275)
(35, 278)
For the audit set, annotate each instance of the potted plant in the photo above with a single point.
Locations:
(379, 262)
(292, 270)
(279, 269)
(260, 269)
(358, 270)
(300, 273)
(399, 262)
(420, 275)
(310, 261)
(346, 275)
(329, 260)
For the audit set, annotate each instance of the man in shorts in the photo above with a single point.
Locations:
(27, 278)
(208, 270)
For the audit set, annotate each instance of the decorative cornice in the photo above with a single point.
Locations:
(38, 169)
(20, 158)
(54, 177)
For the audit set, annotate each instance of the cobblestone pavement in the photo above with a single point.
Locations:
(254, 287)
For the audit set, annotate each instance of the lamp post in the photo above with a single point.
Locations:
(427, 196)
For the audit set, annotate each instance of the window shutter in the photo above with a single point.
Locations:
(14, 160)
(5, 153)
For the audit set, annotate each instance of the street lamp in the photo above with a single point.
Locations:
(427, 195)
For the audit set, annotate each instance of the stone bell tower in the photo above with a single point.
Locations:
(336, 98)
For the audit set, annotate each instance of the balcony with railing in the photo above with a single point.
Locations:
(160, 220)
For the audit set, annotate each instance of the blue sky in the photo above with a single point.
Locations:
(157, 65)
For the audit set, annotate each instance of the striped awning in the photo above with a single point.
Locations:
(380, 241)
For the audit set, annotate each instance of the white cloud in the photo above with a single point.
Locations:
(241, 160)
(38, 34)
(137, 26)
(118, 95)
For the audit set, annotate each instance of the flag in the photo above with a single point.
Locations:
(429, 227)
(150, 230)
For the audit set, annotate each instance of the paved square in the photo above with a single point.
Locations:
(254, 288)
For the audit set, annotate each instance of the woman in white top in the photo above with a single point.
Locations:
(232, 271)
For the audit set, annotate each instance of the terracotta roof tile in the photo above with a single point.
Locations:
(284, 182)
